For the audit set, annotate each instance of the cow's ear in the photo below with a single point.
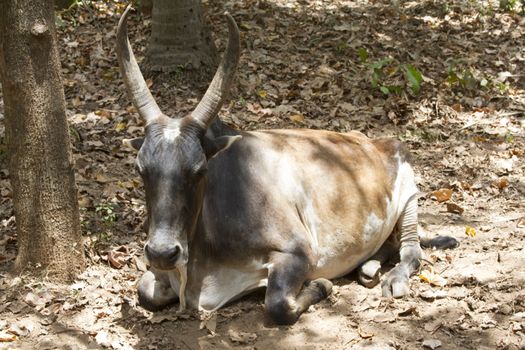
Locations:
(135, 143)
(212, 147)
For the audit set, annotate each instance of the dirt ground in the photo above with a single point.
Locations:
(309, 64)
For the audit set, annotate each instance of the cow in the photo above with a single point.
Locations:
(230, 211)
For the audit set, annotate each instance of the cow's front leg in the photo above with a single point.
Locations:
(155, 291)
(288, 294)
(396, 283)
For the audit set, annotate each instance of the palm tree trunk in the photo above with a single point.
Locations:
(180, 37)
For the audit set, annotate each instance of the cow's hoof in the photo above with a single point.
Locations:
(324, 286)
(396, 282)
(368, 273)
(153, 294)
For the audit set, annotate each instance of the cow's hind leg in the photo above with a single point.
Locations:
(288, 294)
(155, 292)
(396, 283)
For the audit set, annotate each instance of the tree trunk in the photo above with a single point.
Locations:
(146, 6)
(39, 152)
(180, 37)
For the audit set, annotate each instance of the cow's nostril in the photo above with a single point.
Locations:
(173, 253)
(164, 256)
(148, 251)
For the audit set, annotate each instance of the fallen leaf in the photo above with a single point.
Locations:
(18, 330)
(85, 202)
(101, 177)
(96, 144)
(139, 264)
(38, 300)
(505, 166)
(385, 318)
(346, 27)
(159, 318)
(470, 231)
(297, 118)
(457, 107)
(454, 208)
(209, 322)
(119, 257)
(7, 337)
(363, 334)
(432, 343)
(433, 294)
(16, 306)
(500, 183)
(121, 126)
(465, 185)
(102, 338)
(519, 316)
(408, 312)
(432, 327)
(432, 278)
(442, 195)
(241, 337)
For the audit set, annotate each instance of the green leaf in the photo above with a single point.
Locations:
(363, 54)
(468, 80)
(376, 77)
(384, 90)
(453, 78)
(380, 64)
(398, 90)
(414, 78)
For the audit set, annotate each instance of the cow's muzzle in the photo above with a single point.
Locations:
(164, 257)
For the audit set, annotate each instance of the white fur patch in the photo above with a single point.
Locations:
(225, 284)
(171, 132)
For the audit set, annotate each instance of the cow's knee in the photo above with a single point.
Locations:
(155, 292)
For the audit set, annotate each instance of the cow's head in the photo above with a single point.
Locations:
(172, 157)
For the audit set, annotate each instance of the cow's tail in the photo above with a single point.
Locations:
(438, 242)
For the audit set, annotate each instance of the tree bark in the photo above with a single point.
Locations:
(180, 37)
(146, 6)
(39, 153)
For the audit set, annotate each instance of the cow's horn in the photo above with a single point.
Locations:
(214, 97)
(136, 86)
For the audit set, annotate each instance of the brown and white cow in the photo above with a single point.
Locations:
(232, 211)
